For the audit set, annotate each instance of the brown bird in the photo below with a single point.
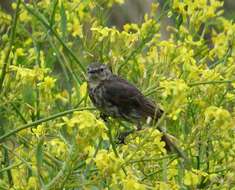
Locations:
(116, 97)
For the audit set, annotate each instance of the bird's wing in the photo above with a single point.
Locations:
(127, 97)
(120, 92)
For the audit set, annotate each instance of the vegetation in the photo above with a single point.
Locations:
(51, 136)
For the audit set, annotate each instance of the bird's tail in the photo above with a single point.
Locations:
(155, 112)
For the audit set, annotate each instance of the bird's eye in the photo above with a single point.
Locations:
(91, 71)
(101, 69)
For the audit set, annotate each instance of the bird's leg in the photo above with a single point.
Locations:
(139, 127)
(103, 116)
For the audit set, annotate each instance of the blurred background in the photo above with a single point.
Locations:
(133, 11)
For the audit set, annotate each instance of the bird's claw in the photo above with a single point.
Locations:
(104, 117)
(121, 137)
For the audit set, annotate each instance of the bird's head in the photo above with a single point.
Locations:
(98, 72)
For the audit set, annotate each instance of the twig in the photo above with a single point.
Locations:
(11, 167)
(211, 82)
(37, 122)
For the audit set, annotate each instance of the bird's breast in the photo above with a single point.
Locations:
(96, 95)
(99, 99)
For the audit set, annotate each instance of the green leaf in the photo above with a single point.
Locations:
(52, 19)
(63, 21)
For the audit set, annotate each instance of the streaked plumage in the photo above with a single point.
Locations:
(117, 98)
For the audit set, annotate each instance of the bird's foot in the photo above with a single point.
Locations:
(139, 127)
(104, 117)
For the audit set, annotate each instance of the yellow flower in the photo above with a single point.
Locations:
(24, 74)
(24, 16)
(89, 126)
(107, 162)
(77, 28)
(63, 96)
(163, 186)
(101, 32)
(218, 117)
(39, 130)
(111, 2)
(20, 52)
(175, 93)
(57, 148)
(131, 183)
(32, 183)
(42, 59)
(83, 90)
(191, 179)
(13, 5)
(71, 122)
(131, 27)
(47, 84)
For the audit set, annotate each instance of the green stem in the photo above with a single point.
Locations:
(52, 19)
(37, 122)
(211, 82)
(18, 112)
(114, 147)
(11, 167)
(7, 163)
(18, 156)
(112, 142)
(64, 70)
(12, 39)
(88, 169)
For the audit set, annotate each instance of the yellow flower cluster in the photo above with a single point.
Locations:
(175, 94)
(198, 11)
(88, 130)
(108, 163)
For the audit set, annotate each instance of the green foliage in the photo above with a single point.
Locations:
(51, 137)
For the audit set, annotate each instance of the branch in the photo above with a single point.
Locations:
(37, 122)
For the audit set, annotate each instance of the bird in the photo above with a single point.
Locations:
(116, 97)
